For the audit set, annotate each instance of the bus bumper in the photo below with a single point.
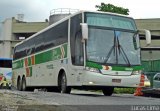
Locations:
(97, 79)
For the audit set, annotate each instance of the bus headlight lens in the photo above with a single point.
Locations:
(136, 72)
(92, 69)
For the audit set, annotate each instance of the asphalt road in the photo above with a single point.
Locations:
(92, 98)
(76, 101)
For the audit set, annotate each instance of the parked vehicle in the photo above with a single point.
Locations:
(155, 90)
(156, 81)
(150, 62)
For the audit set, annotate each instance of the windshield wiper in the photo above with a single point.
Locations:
(117, 48)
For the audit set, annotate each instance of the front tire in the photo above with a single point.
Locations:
(108, 91)
(63, 84)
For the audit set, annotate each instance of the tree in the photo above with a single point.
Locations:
(111, 8)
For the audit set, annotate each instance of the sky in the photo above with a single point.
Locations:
(39, 10)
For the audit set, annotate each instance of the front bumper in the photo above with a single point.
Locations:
(97, 79)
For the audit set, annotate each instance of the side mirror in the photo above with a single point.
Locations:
(147, 35)
(84, 27)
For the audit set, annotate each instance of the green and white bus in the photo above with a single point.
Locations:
(88, 50)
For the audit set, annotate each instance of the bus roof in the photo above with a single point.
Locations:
(5, 58)
(62, 20)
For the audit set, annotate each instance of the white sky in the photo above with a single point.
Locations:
(39, 10)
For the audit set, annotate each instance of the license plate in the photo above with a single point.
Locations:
(116, 80)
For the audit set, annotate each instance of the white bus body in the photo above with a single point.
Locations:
(64, 55)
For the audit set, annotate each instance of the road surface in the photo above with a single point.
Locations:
(76, 101)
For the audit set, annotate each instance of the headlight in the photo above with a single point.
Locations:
(93, 69)
(136, 72)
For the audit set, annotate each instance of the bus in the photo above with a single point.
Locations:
(5, 71)
(86, 50)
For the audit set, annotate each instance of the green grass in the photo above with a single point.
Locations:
(121, 90)
(124, 90)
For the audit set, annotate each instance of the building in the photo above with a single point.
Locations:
(151, 54)
(154, 26)
(14, 31)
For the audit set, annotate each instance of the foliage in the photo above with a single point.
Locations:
(111, 8)
(124, 90)
(120, 90)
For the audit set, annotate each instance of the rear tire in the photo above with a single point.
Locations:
(63, 84)
(24, 84)
(19, 84)
(108, 91)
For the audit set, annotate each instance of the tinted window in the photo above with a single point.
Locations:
(20, 51)
(76, 37)
(157, 77)
(39, 43)
(56, 35)
(6, 63)
(31, 46)
(106, 20)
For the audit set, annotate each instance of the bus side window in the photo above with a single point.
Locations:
(56, 35)
(31, 46)
(39, 43)
(20, 51)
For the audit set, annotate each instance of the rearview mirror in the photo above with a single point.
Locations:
(84, 27)
(147, 35)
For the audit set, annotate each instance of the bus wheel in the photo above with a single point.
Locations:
(24, 84)
(19, 84)
(108, 91)
(63, 84)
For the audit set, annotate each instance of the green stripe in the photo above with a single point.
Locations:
(94, 65)
(18, 64)
(50, 55)
(114, 68)
(29, 61)
(123, 68)
(65, 49)
(30, 71)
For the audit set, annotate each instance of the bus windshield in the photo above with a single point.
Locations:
(106, 20)
(116, 44)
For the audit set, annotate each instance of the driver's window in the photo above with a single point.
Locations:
(78, 49)
(75, 40)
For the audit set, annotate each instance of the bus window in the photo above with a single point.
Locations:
(39, 43)
(76, 37)
(31, 46)
(78, 49)
(6, 63)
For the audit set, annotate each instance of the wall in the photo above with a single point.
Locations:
(5, 46)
